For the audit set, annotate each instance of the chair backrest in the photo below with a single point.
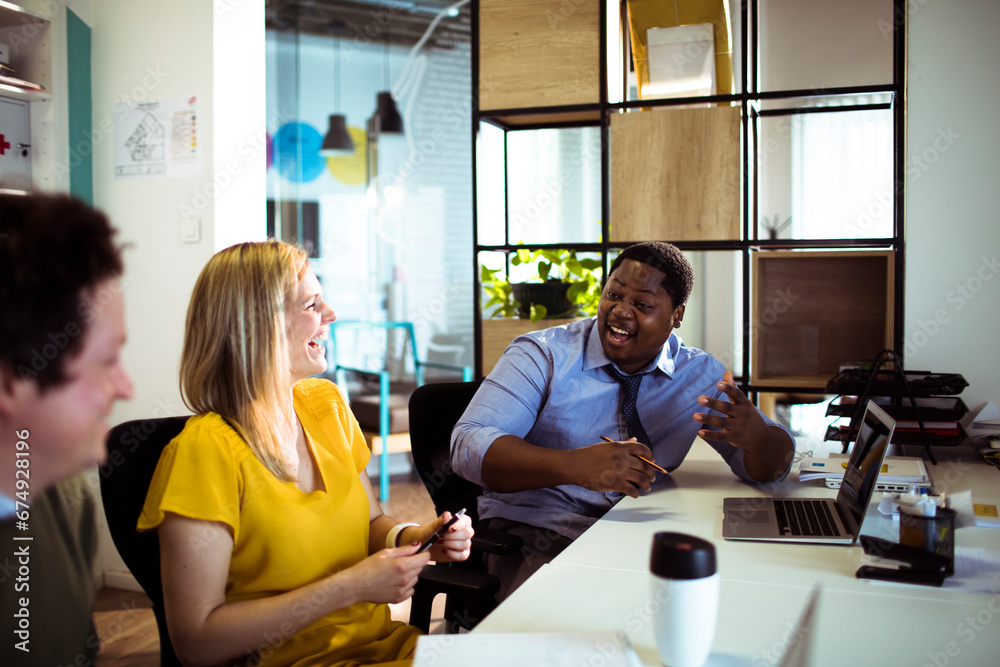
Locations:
(133, 451)
(434, 411)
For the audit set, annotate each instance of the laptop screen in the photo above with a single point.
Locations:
(864, 465)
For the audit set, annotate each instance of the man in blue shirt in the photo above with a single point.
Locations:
(532, 434)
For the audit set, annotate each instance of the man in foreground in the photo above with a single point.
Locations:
(61, 331)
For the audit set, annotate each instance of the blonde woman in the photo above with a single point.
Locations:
(274, 549)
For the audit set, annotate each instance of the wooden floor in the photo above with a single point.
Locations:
(125, 621)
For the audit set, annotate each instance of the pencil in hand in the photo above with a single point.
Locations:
(641, 458)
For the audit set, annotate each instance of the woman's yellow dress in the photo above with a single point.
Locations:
(285, 538)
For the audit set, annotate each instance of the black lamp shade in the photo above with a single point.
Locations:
(390, 122)
(337, 140)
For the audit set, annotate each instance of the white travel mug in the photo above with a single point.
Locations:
(685, 588)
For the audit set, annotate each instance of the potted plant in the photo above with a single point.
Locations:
(566, 285)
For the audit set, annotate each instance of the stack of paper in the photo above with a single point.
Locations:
(895, 469)
(986, 513)
(987, 422)
(8, 78)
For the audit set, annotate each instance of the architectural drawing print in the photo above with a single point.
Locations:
(157, 138)
(147, 143)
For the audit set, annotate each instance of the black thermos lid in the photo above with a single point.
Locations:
(679, 556)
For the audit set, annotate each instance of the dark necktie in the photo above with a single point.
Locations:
(630, 390)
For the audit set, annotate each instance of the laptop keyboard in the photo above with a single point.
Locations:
(805, 517)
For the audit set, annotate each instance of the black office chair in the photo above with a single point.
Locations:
(434, 411)
(133, 451)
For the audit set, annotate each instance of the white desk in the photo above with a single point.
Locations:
(601, 582)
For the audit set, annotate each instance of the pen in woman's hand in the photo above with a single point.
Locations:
(641, 458)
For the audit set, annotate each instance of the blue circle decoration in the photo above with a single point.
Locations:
(296, 152)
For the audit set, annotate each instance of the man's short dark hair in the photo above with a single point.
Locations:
(678, 274)
(53, 250)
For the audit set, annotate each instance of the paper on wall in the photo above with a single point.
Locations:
(157, 138)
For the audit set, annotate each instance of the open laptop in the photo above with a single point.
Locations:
(818, 520)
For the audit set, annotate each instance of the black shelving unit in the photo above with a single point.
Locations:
(749, 98)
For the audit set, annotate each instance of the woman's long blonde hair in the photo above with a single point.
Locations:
(235, 360)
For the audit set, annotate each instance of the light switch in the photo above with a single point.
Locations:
(191, 230)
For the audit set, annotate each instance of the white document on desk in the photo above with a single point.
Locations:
(539, 649)
(976, 571)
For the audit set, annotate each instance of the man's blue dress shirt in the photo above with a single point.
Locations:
(550, 388)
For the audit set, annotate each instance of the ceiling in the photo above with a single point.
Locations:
(401, 23)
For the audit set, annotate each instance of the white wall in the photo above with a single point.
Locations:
(952, 297)
(147, 50)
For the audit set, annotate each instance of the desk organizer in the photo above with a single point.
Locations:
(925, 405)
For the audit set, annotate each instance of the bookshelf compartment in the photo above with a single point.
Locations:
(26, 35)
(525, 42)
(813, 312)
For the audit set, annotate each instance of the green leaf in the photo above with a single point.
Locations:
(575, 291)
(543, 270)
(538, 312)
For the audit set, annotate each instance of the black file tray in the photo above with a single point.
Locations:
(931, 408)
(889, 384)
(845, 434)
(855, 381)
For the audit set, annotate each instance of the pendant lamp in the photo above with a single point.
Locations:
(390, 122)
(387, 118)
(337, 140)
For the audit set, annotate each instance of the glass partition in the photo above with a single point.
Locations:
(385, 214)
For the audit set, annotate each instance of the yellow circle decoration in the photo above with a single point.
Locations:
(351, 169)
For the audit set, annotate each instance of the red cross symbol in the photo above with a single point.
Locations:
(3, 145)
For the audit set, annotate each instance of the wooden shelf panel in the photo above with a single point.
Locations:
(532, 54)
(675, 175)
(545, 119)
(811, 312)
(497, 335)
